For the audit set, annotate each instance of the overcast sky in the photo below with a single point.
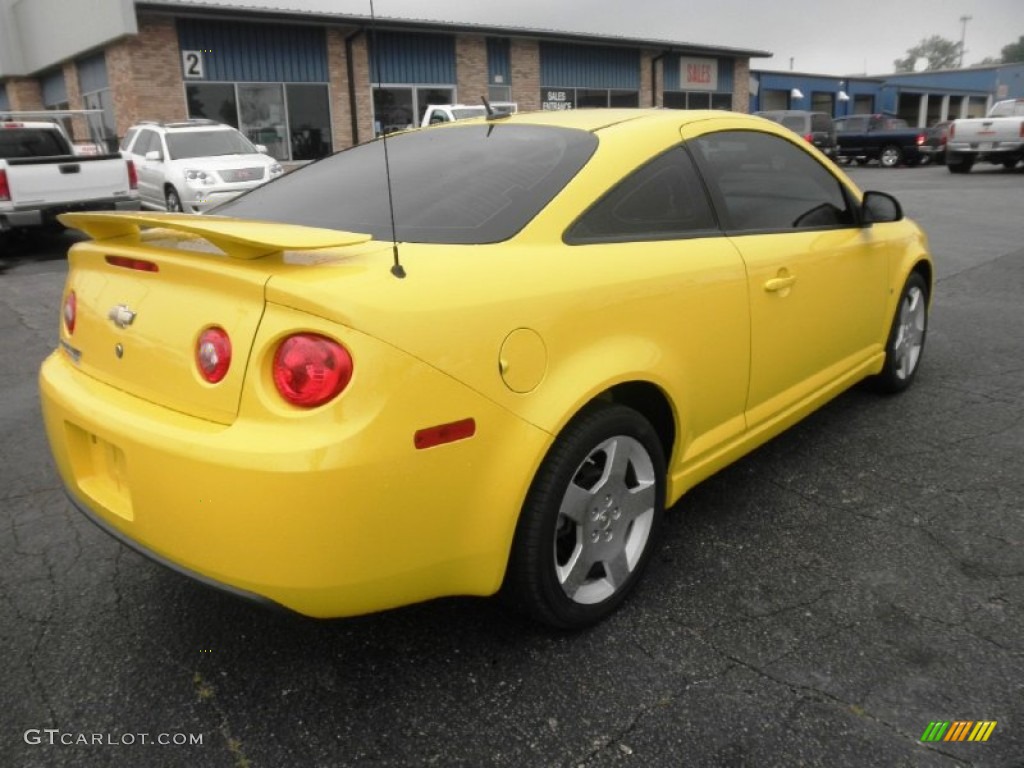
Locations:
(825, 36)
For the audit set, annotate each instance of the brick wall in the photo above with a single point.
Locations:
(144, 72)
(646, 93)
(471, 68)
(337, 70)
(25, 93)
(741, 86)
(364, 89)
(525, 56)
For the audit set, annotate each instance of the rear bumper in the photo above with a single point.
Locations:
(981, 149)
(328, 514)
(45, 215)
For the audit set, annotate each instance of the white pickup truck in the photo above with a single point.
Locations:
(998, 138)
(41, 175)
(449, 113)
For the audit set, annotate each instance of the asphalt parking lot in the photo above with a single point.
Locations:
(819, 603)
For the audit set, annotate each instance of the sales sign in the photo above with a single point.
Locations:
(698, 74)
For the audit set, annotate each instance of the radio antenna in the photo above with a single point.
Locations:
(396, 269)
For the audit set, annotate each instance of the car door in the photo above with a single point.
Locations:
(817, 281)
(694, 283)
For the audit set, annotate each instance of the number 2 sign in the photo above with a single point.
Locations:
(192, 63)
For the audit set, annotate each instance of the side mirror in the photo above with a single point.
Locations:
(155, 155)
(879, 208)
(261, 148)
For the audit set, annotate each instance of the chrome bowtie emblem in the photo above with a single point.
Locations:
(121, 316)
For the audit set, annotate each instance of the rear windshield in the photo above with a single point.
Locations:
(207, 144)
(459, 184)
(32, 142)
(794, 123)
(1008, 109)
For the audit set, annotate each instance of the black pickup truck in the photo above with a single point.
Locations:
(889, 140)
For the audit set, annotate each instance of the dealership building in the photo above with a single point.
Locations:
(306, 84)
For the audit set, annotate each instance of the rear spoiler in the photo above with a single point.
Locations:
(238, 238)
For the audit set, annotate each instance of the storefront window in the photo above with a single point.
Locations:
(302, 131)
(697, 100)
(398, 108)
(309, 121)
(214, 101)
(261, 109)
(579, 98)
(103, 100)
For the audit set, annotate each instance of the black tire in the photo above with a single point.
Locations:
(556, 573)
(1010, 164)
(959, 163)
(173, 201)
(890, 156)
(905, 345)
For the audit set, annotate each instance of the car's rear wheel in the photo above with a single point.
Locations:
(890, 156)
(590, 520)
(173, 201)
(959, 163)
(1010, 164)
(906, 337)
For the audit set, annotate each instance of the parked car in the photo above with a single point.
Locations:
(998, 138)
(564, 322)
(817, 128)
(42, 176)
(889, 140)
(194, 165)
(934, 148)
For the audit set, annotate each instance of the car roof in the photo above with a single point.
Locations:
(600, 119)
(184, 125)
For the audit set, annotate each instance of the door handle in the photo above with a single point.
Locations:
(779, 283)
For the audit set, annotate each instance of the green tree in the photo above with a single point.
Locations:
(939, 52)
(1014, 52)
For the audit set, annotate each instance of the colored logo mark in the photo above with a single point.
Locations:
(958, 730)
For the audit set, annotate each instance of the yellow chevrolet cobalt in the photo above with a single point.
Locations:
(493, 379)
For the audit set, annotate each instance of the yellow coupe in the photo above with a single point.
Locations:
(491, 369)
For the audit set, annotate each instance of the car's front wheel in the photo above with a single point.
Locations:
(590, 520)
(906, 337)
(173, 201)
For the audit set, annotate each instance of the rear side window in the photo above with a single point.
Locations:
(32, 142)
(765, 183)
(127, 140)
(663, 200)
(821, 123)
(457, 184)
(795, 123)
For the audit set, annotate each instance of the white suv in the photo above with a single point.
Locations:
(194, 165)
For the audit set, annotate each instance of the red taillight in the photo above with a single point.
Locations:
(952, 129)
(5, 189)
(133, 176)
(920, 139)
(809, 137)
(1022, 130)
(70, 312)
(310, 370)
(213, 354)
(128, 263)
(444, 433)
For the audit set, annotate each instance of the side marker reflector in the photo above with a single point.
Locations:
(444, 433)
